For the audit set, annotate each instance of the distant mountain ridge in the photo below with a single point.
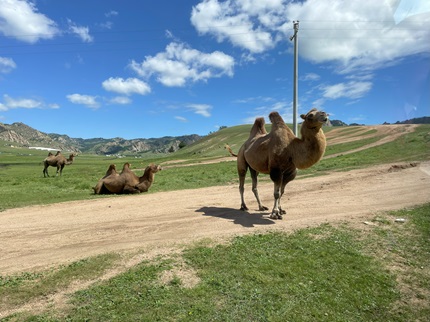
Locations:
(24, 135)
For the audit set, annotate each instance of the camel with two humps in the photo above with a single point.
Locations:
(58, 160)
(126, 182)
(280, 153)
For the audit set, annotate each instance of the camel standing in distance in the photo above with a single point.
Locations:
(127, 181)
(58, 161)
(280, 153)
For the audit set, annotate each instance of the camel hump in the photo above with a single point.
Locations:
(277, 120)
(258, 127)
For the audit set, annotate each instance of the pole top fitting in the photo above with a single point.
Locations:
(296, 29)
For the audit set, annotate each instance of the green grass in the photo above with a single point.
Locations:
(320, 274)
(325, 273)
(19, 289)
(409, 147)
(22, 182)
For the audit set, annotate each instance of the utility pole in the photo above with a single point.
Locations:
(295, 75)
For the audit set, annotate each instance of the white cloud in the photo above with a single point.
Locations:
(6, 65)
(179, 64)
(20, 19)
(245, 23)
(262, 106)
(120, 100)
(80, 31)
(29, 103)
(351, 90)
(201, 109)
(182, 119)
(87, 100)
(111, 13)
(127, 86)
(353, 35)
(106, 25)
(310, 77)
(357, 35)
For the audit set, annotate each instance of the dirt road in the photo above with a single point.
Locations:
(38, 237)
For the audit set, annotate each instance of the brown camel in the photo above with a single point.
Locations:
(126, 181)
(111, 173)
(58, 161)
(280, 153)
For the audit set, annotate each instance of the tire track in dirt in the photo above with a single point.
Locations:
(39, 237)
(389, 133)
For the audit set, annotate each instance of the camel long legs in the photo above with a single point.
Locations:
(242, 176)
(254, 176)
(280, 180)
(276, 211)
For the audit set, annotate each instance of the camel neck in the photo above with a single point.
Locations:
(147, 176)
(310, 148)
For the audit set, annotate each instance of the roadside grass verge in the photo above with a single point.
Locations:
(344, 272)
(19, 289)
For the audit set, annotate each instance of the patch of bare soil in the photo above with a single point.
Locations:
(38, 237)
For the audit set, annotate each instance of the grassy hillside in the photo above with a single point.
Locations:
(22, 182)
(325, 273)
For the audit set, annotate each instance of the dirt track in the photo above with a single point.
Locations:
(42, 236)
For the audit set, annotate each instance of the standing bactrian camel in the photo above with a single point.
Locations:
(58, 161)
(126, 181)
(280, 153)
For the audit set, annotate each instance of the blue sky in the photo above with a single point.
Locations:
(142, 69)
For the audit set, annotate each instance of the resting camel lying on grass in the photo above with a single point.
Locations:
(126, 181)
(280, 153)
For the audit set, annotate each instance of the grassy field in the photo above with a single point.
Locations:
(327, 273)
(22, 182)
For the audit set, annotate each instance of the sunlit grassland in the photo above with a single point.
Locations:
(22, 182)
(326, 273)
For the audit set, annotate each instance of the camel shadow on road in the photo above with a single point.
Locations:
(238, 217)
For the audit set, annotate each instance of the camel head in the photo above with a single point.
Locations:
(153, 168)
(314, 118)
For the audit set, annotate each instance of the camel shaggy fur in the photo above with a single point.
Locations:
(58, 161)
(280, 153)
(127, 181)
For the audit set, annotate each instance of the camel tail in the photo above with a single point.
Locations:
(230, 151)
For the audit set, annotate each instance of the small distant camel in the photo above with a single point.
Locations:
(280, 153)
(58, 161)
(126, 182)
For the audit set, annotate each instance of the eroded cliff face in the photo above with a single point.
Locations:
(24, 135)
(12, 136)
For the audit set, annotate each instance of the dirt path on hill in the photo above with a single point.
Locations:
(388, 133)
(38, 237)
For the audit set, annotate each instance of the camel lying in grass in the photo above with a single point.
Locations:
(127, 181)
(280, 153)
